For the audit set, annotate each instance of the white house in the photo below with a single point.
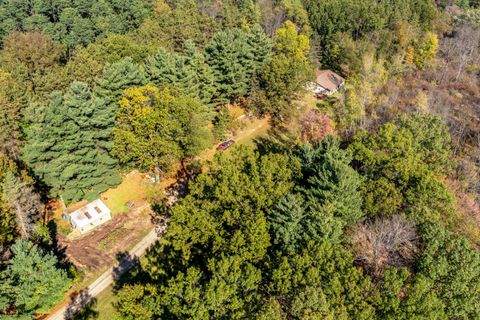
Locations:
(326, 83)
(89, 216)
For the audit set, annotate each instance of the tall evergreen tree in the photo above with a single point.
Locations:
(203, 80)
(34, 283)
(331, 188)
(117, 77)
(160, 68)
(187, 73)
(68, 146)
(231, 55)
(287, 220)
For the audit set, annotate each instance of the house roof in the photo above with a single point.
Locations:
(328, 79)
(90, 212)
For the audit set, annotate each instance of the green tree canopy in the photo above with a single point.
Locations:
(207, 265)
(34, 282)
(321, 282)
(234, 57)
(69, 141)
(155, 128)
(188, 73)
(286, 73)
(72, 23)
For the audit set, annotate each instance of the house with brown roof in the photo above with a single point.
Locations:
(326, 83)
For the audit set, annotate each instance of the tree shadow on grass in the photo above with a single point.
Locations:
(126, 261)
(82, 307)
(127, 271)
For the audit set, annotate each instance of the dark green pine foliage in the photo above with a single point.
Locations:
(261, 46)
(234, 57)
(73, 23)
(187, 73)
(32, 282)
(160, 68)
(287, 222)
(202, 81)
(117, 77)
(331, 189)
(328, 201)
(68, 147)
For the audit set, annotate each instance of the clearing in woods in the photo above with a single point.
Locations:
(251, 130)
(94, 252)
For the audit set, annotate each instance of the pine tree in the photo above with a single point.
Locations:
(68, 147)
(231, 59)
(332, 183)
(287, 221)
(261, 46)
(160, 68)
(34, 282)
(331, 189)
(117, 77)
(186, 73)
(203, 78)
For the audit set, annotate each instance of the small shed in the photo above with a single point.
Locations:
(89, 216)
(326, 83)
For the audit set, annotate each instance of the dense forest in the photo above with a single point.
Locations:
(366, 206)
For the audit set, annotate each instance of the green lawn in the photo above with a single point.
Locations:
(257, 128)
(133, 187)
(104, 305)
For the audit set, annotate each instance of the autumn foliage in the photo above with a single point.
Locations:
(315, 125)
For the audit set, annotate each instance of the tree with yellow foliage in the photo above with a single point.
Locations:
(156, 128)
(286, 73)
(422, 52)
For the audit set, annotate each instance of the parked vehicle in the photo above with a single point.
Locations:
(225, 145)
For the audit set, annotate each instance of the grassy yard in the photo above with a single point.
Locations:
(252, 129)
(104, 305)
(133, 187)
(256, 128)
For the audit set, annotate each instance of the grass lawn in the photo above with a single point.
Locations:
(256, 128)
(252, 129)
(100, 308)
(104, 306)
(133, 187)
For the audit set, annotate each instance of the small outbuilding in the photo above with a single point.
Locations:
(326, 83)
(89, 216)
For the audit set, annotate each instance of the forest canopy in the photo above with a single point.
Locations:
(359, 204)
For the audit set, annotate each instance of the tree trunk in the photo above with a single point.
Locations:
(157, 174)
(21, 221)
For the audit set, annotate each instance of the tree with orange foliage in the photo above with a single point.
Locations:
(315, 125)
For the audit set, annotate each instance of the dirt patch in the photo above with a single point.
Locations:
(98, 248)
